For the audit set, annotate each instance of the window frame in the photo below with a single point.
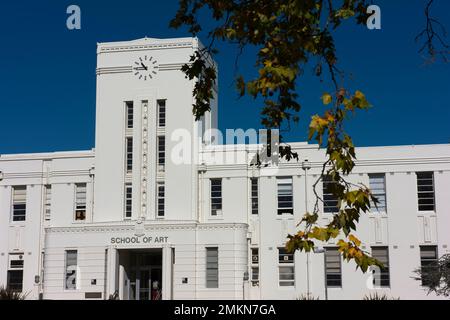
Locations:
(161, 152)
(128, 201)
(66, 270)
(333, 274)
(383, 195)
(19, 200)
(254, 266)
(216, 197)
(129, 155)
(161, 200)
(47, 202)
(254, 196)
(282, 210)
(284, 264)
(327, 207)
(214, 269)
(129, 115)
(79, 205)
(14, 269)
(419, 192)
(162, 113)
(426, 262)
(385, 273)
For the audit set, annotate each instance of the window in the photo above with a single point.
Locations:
(161, 197)
(428, 264)
(161, 113)
(19, 203)
(212, 267)
(254, 195)
(15, 272)
(333, 267)
(425, 191)
(286, 268)
(47, 202)
(15, 280)
(381, 254)
(128, 200)
(255, 267)
(377, 184)
(285, 196)
(71, 270)
(216, 197)
(161, 152)
(129, 154)
(330, 202)
(129, 114)
(80, 201)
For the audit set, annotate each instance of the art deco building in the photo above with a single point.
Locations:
(160, 209)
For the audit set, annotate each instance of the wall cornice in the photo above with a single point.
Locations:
(130, 227)
(150, 46)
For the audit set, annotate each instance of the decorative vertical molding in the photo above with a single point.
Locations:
(378, 232)
(427, 229)
(144, 162)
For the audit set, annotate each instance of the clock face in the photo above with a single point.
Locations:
(145, 68)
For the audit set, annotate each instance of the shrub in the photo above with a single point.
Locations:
(377, 296)
(9, 294)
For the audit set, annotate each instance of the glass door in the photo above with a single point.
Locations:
(156, 282)
(144, 283)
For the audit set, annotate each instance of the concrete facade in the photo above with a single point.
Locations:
(106, 239)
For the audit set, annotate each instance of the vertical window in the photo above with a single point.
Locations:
(255, 266)
(80, 201)
(47, 202)
(161, 152)
(254, 195)
(128, 200)
(286, 271)
(425, 191)
(71, 269)
(19, 203)
(129, 154)
(161, 199)
(382, 254)
(15, 272)
(216, 197)
(330, 202)
(333, 268)
(212, 267)
(428, 264)
(285, 195)
(161, 113)
(129, 114)
(377, 184)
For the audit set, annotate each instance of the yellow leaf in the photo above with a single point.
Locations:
(360, 95)
(326, 98)
(355, 240)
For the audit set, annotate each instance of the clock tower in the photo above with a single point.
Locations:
(144, 112)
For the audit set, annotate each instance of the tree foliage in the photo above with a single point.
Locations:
(290, 37)
(436, 277)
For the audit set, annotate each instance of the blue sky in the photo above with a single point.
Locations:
(47, 85)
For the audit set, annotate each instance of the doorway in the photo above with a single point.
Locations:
(142, 279)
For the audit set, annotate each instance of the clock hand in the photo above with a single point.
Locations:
(143, 66)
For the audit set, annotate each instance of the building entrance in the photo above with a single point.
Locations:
(141, 274)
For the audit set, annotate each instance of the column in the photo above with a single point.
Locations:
(112, 275)
(167, 270)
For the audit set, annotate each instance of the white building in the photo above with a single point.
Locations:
(76, 225)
